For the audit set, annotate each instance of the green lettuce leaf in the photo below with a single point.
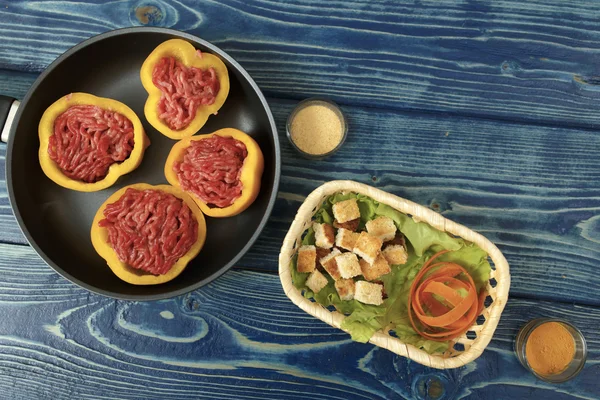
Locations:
(364, 321)
(420, 234)
(472, 258)
(323, 216)
(309, 238)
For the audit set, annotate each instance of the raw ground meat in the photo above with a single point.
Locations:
(150, 229)
(211, 169)
(87, 140)
(183, 91)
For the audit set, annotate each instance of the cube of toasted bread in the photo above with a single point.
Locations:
(328, 262)
(382, 227)
(316, 281)
(307, 259)
(345, 288)
(322, 253)
(368, 293)
(346, 239)
(324, 235)
(368, 247)
(373, 271)
(348, 265)
(395, 254)
(351, 225)
(399, 239)
(346, 210)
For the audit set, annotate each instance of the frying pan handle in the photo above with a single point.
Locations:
(8, 109)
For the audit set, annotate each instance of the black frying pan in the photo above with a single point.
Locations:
(57, 221)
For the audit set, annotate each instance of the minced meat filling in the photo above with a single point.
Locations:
(211, 170)
(150, 229)
(183, 91)
(87, 140)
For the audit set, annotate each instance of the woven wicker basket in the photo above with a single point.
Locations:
(453, 358)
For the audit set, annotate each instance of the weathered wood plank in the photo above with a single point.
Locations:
(534, 61)
(535, 191)
(16, 83)
(222, 342)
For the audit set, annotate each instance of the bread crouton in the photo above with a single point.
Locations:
(316, 281)
(368, 293)
(348, 265)
(399, 239)
(322, 253)
(324, 235)
(382, 227)
(307, 259)
(349, 225)
(395, 254)
(368, 247)
(328, 262)
(345, 288)
(346, 210)
(373, 271)
(346, 239)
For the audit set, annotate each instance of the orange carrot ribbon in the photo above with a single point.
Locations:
(438, 308)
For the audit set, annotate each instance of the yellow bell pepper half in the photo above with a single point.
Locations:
(46, 130)
(187, 54)
(134, 276)
(250, 176)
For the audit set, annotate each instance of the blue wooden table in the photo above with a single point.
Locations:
(486, 111)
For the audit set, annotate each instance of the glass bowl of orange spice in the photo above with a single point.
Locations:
(552, 349)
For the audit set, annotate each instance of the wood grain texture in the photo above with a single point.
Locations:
(534, 191)
(533, 61)
(221, 342)
(529, 183)
(16, 83)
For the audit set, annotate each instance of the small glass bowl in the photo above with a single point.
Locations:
(572, 369)
(315, 101)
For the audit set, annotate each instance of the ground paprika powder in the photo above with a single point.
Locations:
(550, 348)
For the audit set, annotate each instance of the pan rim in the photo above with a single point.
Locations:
(186, 289)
